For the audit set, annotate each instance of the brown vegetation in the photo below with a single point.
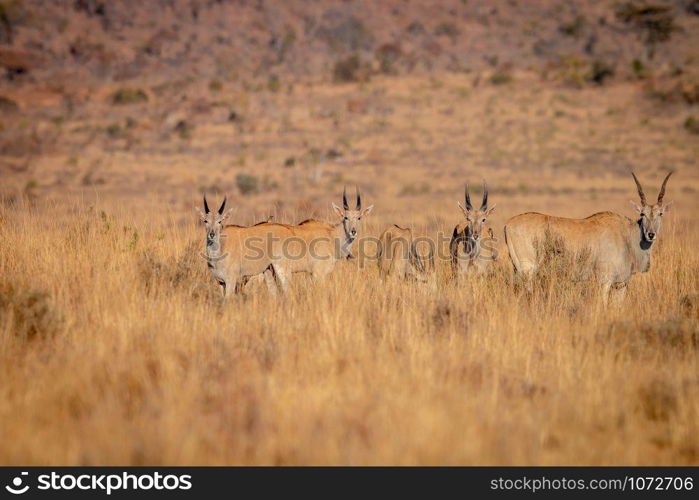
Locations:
(115, 346)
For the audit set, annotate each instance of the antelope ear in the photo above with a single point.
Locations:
(666, 206)
(226, 214)
(201, 213)
(366, 211)
(339, 211)
(490, 210)
(465, 211)
(638, 207)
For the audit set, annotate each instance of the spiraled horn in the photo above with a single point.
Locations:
(467, 198)
(359, 199)
(206, 206)
(345, 205)
(223, 205)
(641, 194)
(484, 205)
(661, 194)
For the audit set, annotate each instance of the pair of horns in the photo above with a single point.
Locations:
(642, 195)
(345, 204)
(467, 198)
(220, 210)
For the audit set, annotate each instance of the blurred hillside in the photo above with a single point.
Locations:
(125, 39)
(268, 99)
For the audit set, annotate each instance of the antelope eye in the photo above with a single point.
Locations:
(346, 218)
(359, 218)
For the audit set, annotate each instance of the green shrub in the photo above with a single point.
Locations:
(13, 13)
(572, 70)
(184, 273)
(388, 55)
(333, 154)
(350, 69)
(247, 184)
(655, 22)
(415, 28)
(30, 312)
(690, 92)
(114, 131)
(7, 105)
(351, 34)
(573, 28)
(600, 71)
(500, 78)
(639, 69)
(447, 29)
(184, 129)
(576, 71)
(691, 124)
(128, 96)
(284, 44)
(274, 83)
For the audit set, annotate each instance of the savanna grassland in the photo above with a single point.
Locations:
(117, 348)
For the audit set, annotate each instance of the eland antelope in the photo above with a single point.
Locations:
(397, 256)
(236, 253)
(468, 253)
(616, 246)
(316, 246)
(323, 244)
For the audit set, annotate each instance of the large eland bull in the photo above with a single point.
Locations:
(615, 246)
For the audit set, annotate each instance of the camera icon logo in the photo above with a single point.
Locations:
(16, 487)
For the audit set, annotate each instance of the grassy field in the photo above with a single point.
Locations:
(117, 349)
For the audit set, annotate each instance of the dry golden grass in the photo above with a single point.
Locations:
(117, 349)
(115, 346)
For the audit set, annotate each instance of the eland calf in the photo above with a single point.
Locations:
(398, 256)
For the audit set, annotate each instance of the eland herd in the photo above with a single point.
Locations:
(607, 248)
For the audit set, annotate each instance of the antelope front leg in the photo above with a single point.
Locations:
(240, 286)
(282, 276)
(271, 283)
(524, 274)
(461, 269)
(225, 289)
